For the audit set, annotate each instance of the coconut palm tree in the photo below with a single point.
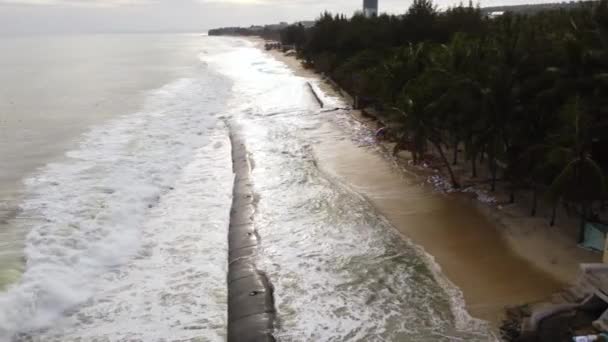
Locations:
(426, 119)
(581, 179)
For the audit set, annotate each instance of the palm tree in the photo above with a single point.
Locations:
(581, 179)
(425, 119)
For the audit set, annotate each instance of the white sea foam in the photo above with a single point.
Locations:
(118, 198)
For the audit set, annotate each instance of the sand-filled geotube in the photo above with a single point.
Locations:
(314, 93)
(251, 309)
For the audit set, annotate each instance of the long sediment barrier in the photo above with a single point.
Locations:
(251, 311)
(314, 93)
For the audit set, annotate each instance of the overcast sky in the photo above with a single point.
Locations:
(32, 16)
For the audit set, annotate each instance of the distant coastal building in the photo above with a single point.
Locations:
(497, 11)
(370, 8)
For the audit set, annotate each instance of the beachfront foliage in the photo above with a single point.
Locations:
(525, 93)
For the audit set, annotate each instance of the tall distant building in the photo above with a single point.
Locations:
(370, 8)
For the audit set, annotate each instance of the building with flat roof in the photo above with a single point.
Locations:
(370, 8)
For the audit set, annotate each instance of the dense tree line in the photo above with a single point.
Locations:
(270, 32)
(524, 95)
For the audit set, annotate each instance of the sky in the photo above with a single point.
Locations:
(88, 16)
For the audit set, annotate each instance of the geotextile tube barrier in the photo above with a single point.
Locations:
(314, 93)
(251, 311)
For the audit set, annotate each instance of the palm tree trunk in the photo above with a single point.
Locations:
(493, 169)
(581, 229)
(534, 201)
(493, 165)
(455, 160)
(554, 213)
(474, 165)
(579, 178)
(455, 183)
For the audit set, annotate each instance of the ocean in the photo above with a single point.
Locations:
(115, 195)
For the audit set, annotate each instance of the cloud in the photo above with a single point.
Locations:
(84, 3)
(84, 16)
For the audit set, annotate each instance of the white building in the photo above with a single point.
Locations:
(370, 8)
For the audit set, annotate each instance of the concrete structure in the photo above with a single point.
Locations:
(589, 294)
(370, 8)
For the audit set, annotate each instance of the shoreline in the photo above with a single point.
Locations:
(458, 238)
(495, 255)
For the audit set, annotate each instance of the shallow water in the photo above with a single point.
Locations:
(127, 236)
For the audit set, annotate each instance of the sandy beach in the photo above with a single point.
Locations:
(496, 255)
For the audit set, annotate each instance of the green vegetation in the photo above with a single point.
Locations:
(525, 94)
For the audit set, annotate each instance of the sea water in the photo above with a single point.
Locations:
(122, 235)
(118, 229)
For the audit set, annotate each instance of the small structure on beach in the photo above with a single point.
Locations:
(594, 237)
(579, 310)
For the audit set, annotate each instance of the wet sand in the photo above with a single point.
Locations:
(463, 242)
(495, 259)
